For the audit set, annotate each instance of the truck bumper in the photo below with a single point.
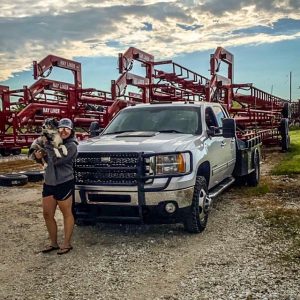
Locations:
(141, 207)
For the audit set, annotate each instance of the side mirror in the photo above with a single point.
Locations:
(229, 128)
(94, 129)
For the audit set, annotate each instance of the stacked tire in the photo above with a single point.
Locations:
(33, 175)
(13, 179)
(21, 178)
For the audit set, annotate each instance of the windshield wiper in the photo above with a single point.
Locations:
(170, 131)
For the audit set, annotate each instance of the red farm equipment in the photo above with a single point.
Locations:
(24, 110)
(172, 83)
(256, 112)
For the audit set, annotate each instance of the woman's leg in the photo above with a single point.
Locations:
(49, 207)
(66, 208)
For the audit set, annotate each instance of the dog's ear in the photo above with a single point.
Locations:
(55, 122)
(47, 123)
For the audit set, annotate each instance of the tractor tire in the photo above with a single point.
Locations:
(254, 177)
(196, 218)
(33, 175)
(13, 179)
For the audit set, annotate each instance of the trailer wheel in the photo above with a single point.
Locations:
(284, 131)
(13, 179)
(33, 175)
(285, 142)
(5, 152)
(196, 219)
(254, 177)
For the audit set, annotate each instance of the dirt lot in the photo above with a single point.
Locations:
(250, 250)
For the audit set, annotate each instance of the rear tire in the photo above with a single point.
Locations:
(254, 177)
(196, 218)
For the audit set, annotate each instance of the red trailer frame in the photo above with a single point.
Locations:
(23, 111)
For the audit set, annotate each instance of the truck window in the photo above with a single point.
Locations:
(219, 115)
(210, 118)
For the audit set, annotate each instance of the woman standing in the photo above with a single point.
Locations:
(58, 187)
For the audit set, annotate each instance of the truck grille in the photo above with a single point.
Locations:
(109, 168)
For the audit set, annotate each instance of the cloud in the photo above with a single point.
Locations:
(72, 28)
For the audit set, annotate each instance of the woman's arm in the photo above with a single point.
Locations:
(72, 152)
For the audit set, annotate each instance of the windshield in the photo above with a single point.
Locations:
(177, 119)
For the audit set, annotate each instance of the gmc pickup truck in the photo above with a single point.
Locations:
(162, 163)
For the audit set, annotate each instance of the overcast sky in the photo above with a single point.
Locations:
(263, 35)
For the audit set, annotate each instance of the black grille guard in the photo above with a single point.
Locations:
(121, 169)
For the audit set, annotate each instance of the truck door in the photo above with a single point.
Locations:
(227, 144)
(219, 148)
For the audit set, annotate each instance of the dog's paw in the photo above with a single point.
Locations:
(57, 153)
(64, 150)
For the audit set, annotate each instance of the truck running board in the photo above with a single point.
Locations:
(221, 187)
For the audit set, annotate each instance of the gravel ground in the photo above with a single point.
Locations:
(234, 258)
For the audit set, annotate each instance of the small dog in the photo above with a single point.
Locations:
(49, 134)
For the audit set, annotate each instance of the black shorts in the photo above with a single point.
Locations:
(59, 192)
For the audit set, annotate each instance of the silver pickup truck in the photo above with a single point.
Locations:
(162, 163)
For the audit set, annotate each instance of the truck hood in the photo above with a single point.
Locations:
(138, 142)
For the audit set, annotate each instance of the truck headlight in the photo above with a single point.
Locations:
(170, 164)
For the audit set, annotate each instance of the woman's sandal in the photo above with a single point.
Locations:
(50, 248)
(64, 250)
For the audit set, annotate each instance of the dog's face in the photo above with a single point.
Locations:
(50, 128)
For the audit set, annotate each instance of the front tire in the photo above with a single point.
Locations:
(197, 216)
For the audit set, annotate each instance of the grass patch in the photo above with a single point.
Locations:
(283, 223)
(286, 219)
(294, 127)
(290, 164)
(265, 186)
(260, 190)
